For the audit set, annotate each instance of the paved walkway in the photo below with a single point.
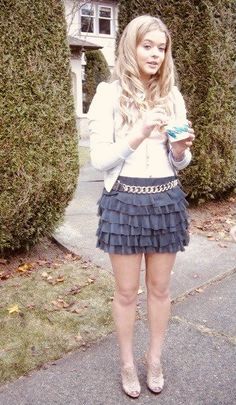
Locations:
(199, 355)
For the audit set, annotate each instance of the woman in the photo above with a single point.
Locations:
(142, 209)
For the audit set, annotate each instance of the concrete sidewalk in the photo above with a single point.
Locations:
(199, 354)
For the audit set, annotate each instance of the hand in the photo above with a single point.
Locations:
(155, 117)
(178, 148)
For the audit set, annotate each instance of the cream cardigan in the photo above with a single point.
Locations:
(108, 149)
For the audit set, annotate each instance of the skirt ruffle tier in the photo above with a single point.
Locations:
(143, 223)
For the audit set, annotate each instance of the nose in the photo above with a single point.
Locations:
(155, 52)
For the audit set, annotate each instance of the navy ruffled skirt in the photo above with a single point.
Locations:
(143, 223)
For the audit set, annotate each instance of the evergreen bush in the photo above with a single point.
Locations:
(96, 71)
(38, 139)
(203, 35)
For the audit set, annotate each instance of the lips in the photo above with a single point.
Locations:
(153, 64)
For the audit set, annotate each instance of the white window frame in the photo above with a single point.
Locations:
(96, 17)
(100, 6)
(93, 17)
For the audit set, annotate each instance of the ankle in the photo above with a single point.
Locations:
(127, 365)
(153, 358)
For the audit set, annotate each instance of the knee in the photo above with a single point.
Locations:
(162, 293)
(126, 296)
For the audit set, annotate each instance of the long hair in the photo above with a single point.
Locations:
(159, 86)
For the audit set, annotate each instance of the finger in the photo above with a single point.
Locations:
(192, 137)
(191, 131)
(160, 123)
(184, 141)
(190, 123)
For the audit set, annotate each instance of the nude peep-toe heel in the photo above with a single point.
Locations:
(155, 378)
(130, 382)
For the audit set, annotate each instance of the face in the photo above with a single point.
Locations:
(151, 53)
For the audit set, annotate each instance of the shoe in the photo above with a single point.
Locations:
(130, 382)
(155, 378)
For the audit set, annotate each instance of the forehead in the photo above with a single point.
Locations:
(155, 36)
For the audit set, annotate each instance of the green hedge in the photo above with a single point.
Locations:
(203, 35)
(38, 139)
(96, 71)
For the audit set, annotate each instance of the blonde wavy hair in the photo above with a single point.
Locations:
(158, 89)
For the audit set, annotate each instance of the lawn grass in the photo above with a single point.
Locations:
(47, 313)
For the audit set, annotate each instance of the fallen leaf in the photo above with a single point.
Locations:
(33, 350)
(199, 227)
(42, 262)
(3, 261)
(199, 290)
(4, 276)
(74, 290)
(60, 279)
(46, 307)
(56, 264)
(77, 311)
(30, 306)
(23, 268)
(65, 304)
(68, 256)
(90, 280)
(221, 234)
(13, 309)
(222, 245)
(60, 304)
(79, 337)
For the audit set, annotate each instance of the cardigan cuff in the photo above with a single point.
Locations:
(123, 149)
(182, 163)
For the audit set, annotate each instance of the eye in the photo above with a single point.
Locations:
(162, 49)
(147, 46)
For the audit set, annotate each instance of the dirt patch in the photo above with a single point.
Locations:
(47, 253)
(214, 219)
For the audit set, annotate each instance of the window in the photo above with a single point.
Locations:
(104, 20)
(87, 18)
(96, 19)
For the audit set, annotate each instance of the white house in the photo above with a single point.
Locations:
(90, 25)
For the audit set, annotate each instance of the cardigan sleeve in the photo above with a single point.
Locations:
(180, 115)
(105, 152)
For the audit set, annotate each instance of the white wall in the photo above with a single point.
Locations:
(106, 41)
(77, 84)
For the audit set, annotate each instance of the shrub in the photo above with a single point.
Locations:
(204, 50)
(38, 139)
(96, 71)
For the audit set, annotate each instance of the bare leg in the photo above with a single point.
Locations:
(127, 273)
(158, 271)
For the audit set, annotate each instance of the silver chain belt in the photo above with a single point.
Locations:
(118, 186)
